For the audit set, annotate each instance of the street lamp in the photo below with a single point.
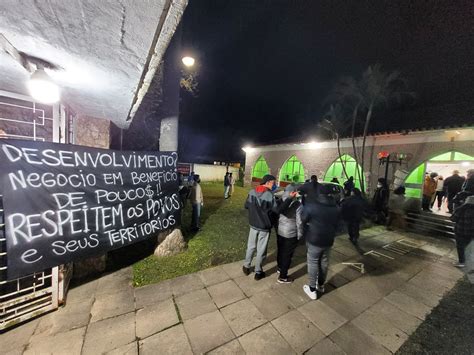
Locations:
(188, 61)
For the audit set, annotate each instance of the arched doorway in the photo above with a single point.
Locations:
(336, 170)
(291, 171)
(260, 169)
(443, 164)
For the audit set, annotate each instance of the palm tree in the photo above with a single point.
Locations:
(375, 88)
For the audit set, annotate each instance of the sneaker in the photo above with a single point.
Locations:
(259, 275)
(311, 294)
(278, 271)
(459, 265)
(246, 270)
(320, 288)
(281, 280)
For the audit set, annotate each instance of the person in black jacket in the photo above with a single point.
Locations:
(310, 189)
(453, 185)
(318, 221)
(353, 209)
(349, 186)
(261, 204)
(380, 201)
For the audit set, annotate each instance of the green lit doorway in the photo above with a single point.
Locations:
(260, 169)
(443, 164)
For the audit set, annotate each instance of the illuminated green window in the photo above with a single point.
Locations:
(260, 169)
(292, 171)
(452, 156)
(460, 156)
(336, 170)
(442, 157)
(414, 182)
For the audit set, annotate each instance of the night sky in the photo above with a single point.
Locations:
(266, 67)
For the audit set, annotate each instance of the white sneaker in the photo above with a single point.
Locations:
(459, 265)
(311, 294)
(320, 288)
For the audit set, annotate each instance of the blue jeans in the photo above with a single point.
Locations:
(318, 263)
(196, 215)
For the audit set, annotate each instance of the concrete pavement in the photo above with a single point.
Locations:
(221, 311)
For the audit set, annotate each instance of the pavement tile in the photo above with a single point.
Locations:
(234, 270)
(129, 349)
(381, 330)
(225, 293)
(323, 316)
(151, 294)
(325, 346)
(109, 334)
(207, 332)
(171, 341)
(18, 337)
(62, 343)
(71, 316)
(298, 331)
(420, 294)
(408, 304)
(349, 251)
(346, 306)
(213, 276)
(243, 316)
(194, 304)
(111, 305)
(295, 296)
(345, 271)
(250, 286)
(232, 347)
(271, 304)
(337, 280)
(396, 316)
(265, 340)
(353, 340)
(155, 318)
(81, 293)
(185, 284)
(119, 280)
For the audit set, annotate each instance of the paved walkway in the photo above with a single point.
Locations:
(221, 311)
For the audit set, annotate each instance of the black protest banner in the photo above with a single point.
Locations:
(64, 202)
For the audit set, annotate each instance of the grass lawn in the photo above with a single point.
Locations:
(222, 239)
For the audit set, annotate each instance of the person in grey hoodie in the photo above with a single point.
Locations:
(287, 236)
(319, 221)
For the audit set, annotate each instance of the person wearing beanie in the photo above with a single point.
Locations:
(318, 221)
(396, 209)
(464, 231)
(261, 204)
(353, 209)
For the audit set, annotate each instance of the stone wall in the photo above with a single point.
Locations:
(92, 132)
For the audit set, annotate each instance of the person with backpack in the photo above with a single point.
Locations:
(318, 221)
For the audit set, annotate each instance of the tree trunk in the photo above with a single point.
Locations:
(340, 155)
(354, 119)
(366, 128)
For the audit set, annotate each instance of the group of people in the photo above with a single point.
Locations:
(306, 211)
(310, 211)
(454, 189)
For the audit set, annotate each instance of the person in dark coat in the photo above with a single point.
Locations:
(349, 186)
(352, 209)
(380, 201)
(261, 204)
(310, 190)
(318, 221)
(453, 185)
(287, 233)
(335, 180)
(226, 185)
(469, 183)
(463, 229)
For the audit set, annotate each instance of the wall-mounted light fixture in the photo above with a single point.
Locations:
(42, 88)
(188, 61)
